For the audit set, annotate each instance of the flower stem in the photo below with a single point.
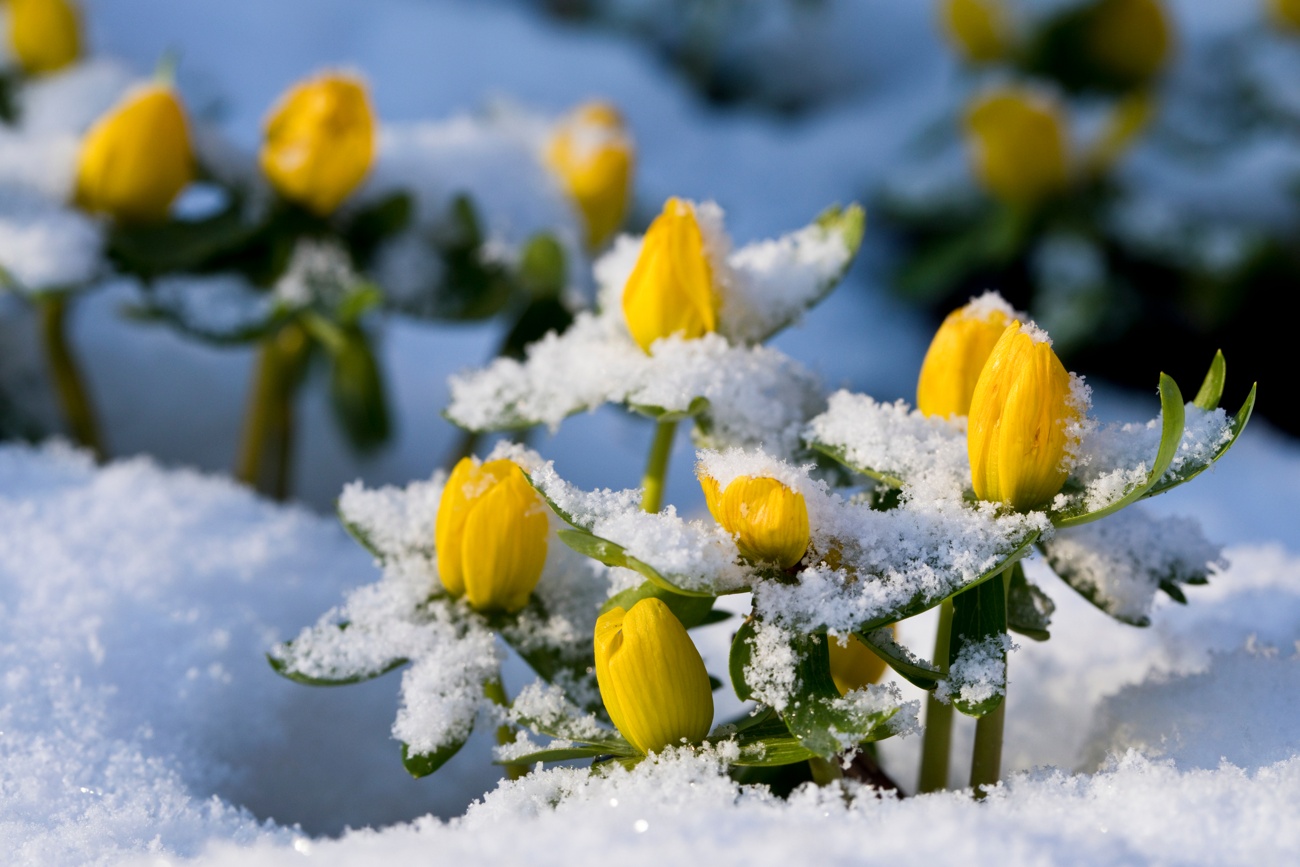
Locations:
(68, 381)
(496, 693)
(986, 760)
(937, 742)
(266, 450)
(824, 771)
(657, 466)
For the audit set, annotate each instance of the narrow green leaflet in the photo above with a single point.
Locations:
(740, 658)
(422, 764)
(1211, 391)
(764, 740)
(286, 661)
(1029, 609)
(979, 628)
(840, 456)
(692, 611)
(697, 406)
(613, 554)
(1192, 469)
(910, 667)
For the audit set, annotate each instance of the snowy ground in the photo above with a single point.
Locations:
(139, 722)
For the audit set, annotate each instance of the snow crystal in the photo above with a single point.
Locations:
(442, 691)
(1120, 561)
(44, 245)
(547, 708)
(978, 672)
(771, 673)
(396, 521)
(319, 273)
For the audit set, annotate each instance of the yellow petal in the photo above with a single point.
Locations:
(853, 665)
(980, 30)
(670, 290)
(468, 483)
(592, 155)
(712, 494)
(652, 679)
(319, 142)
(136, 158)
(955, 358)
(1286, 13)
(45, 34)
(769, 520)
(1018, 431)
(1018, 145)
(504, 544)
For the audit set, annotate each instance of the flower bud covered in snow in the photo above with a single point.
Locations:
(45, 35)
(1286, 13)
(978, 29)
(1018, 145)
(591, 153)
(1020, 415)
(490, 535)
(136, 158)
(853, 665)
(652, 679)
(320, 141)
(957, 354)
(1130, 40)
(769, 521)
(670, 290)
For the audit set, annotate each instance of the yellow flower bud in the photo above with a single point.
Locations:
(1129, 39)
(1017, 435)
(769, 521)
(490, 535)
(1286, 13)
(1018, 145)
(136, 158)
(320, 142)
(592, 155)
(45, 34)
(670, 290)
(651, 677)
(956, 356)
(978, 29)
(853, 666)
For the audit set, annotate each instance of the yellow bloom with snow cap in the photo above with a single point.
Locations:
(853, 666)
(671, 290)
(768, 519)
(956, 356)
(1017, 139)
(1286, 13)
(45, 34)
(136, 159)
(652, 679)
(491, 535)
(592, 155)
(980, 30)
(1020, 416)
(320, 141)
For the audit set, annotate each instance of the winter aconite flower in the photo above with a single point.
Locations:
(1129, 39)
(45, 35)
(1020, 420)
(1286, 13)
(591, 153)
(853, 666)
(957, 354)
(1018, 145)
(136, 158)
(768, 519)
(320, 142)
(490, 535)
(978, 29)
(651, 677)
(670, 290)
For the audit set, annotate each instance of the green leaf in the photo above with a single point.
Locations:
(840, 456)
(375, 223)
(764, 741)
(357, 393)
(1172, 415)
(1067, 572)
(540, 317)
(282, 660)
(697, 406)
(1191, 469)
(556, 754)
(150, 250)
(910, 667)
(823, 722)
(1029, 609)
(613, 554)
(422, 764)
(1174, 592)
(1212, 388)
(740, 658)
(690, 610)
(978, 615)
(542, 266)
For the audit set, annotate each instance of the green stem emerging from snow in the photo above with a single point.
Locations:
(657, 467)
(266, 450)
(937, 742)
(986, 758)
(496, 693)
(66, 374)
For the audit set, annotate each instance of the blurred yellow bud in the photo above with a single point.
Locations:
(592, 155)
(136, 158)
(957, 354)
(670, 290)
(1286, 13)
(45, 34)
(651, 677)
(1020, 415)
(1018, 145)
(1130, 39)
(320, 141)
(853, 666)
(769, 521)
(490, 535)
(980, 30)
